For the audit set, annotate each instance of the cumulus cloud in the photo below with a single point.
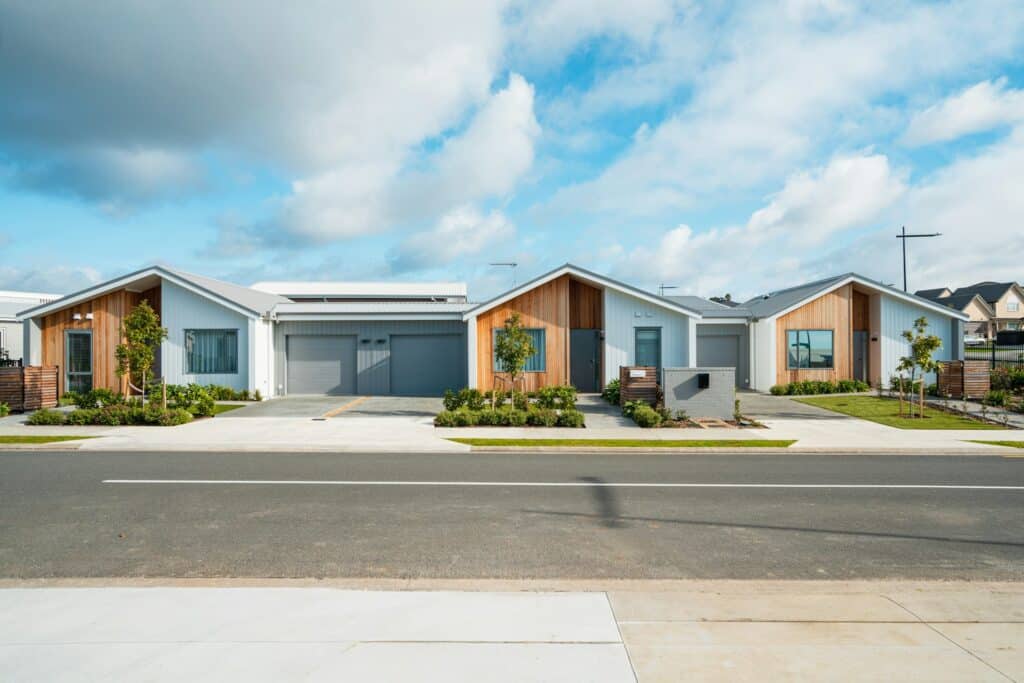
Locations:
(812, 208)
(777, 87)
(58, 279)
(981, 107)
(464, 231)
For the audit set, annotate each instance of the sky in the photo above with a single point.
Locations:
(720, 147)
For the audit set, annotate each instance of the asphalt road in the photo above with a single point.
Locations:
(59, 519)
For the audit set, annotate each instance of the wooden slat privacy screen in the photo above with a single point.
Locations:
(643, 388)
(29, 388)
(964, 378)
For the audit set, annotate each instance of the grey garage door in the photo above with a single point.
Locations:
(719, 352)
(426, 364)
(321, 364)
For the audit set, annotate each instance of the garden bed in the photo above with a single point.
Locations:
(547, 407)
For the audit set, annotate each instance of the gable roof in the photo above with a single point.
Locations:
(933, 294)
(242, 299)
(783, 301)
(709, 308)
(962, 301)
(586, 276)
(989, 291)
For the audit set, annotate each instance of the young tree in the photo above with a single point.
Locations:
(922, 346)
(141, 334)
(512, 348)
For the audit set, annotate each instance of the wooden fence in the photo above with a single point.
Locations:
(29, 388)
(638, 383)
(964, 378)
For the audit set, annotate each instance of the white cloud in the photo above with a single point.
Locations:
(981, 107)
(812, 208)
(52, 279)
(462, 232)
(777, 87)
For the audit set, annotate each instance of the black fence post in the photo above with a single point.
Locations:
(993, 366)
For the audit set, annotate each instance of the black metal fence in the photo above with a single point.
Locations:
(998, 355)
(10, 362)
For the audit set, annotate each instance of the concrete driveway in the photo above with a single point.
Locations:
(341, 406)
(767, 407)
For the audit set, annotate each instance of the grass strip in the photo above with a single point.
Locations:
(219, 408)
(886, 411)
(630, 443)
(1008, 444)
(40, 439)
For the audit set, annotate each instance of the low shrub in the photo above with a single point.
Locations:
(541, 417)
(81, 416)
(521, 401)
(70, 398)
(173, 417)
(45, 416)
(515, 418)
(646, 416)
(630, 407)
(996, 398)
(557, 397)
(1008, 379)
(612, 392)
(812, 387)
(446, 418)
(570, 418)
(194, 398)
(5, 409)
(908, 387)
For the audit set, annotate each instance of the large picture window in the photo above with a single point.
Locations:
(810, 349)
(535, 363)
(211, 352)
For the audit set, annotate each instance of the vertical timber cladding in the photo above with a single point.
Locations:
(107, 312)
(833, 311)
(545, 306)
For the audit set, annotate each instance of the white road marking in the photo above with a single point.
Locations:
(557, 484)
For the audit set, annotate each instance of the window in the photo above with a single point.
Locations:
(78, 360)
(1013, 306)
(535, 363)
(211, 352)
(809, 349)
(648, 346)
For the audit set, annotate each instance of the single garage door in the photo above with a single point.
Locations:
(321, 364)
(426, 364)
(719, 352)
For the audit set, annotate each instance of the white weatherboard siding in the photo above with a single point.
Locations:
(762, 351)
(897, 316)
(263, 357)
(623, 314)
(181, 310)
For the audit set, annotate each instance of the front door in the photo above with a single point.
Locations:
(78, 361)
(585, 360)
(648, 347)
(860, 355)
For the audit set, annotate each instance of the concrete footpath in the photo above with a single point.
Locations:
(511, 631)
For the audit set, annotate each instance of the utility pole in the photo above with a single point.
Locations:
(904, 235)
(662, 287)
(509, 264)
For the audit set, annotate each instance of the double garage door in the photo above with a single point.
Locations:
(401, 365)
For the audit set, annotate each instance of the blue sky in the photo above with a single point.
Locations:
(718, 147)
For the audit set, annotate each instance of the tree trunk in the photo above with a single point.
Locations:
(921, 403)
(901, 395)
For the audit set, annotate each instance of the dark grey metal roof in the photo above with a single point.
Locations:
(958, 301)
(769, 304)
(710, 309)
(931, 294)
(989, 291)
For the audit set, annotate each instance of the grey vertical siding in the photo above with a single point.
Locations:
(706, 334)
(373, 372)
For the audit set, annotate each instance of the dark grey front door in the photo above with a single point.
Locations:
(719, 352)
(321, 364)
(585, 359)
(860, 355)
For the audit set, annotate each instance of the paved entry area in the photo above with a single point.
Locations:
(767, 407)
(291, 406)
(392, 406)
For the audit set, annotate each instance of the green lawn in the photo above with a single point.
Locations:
(886, 411)
(630, 443)
(40, 439)
(219, 408)
(1008, 444)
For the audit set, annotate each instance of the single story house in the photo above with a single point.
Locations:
(992, 306)
(10, 327)
(395, 338)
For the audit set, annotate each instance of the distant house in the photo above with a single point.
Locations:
(12, 303)
(992, 306)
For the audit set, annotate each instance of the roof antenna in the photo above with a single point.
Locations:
(509, 264)
(662, 287)
(904, 236)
